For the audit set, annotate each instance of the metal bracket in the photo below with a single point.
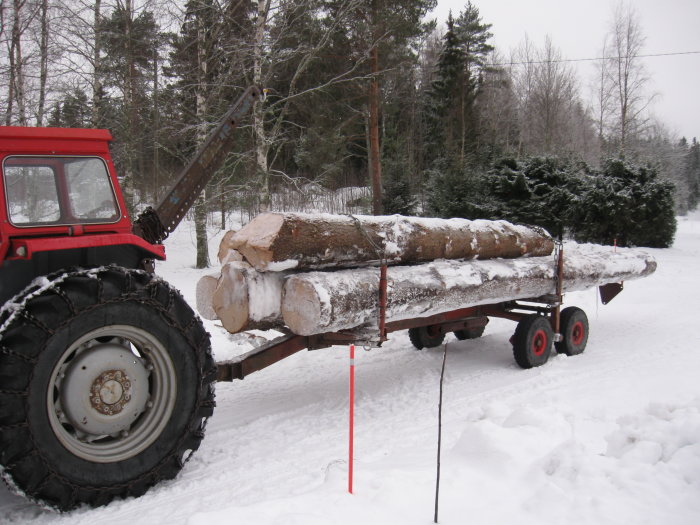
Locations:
(609, 291)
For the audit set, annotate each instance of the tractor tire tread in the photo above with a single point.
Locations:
(36, 314)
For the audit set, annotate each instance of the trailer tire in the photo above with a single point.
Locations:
(422, 338)
(532, 342)
(475, 333)
(107, 383)
(574, 331)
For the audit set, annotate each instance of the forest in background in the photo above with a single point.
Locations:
(435, 119)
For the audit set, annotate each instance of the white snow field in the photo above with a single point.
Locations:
(608, 437)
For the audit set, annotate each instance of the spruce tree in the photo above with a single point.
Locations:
(691, 170)
(473, 36)
(444, 97)
(459, 191)
(396, 194)
(626, 204)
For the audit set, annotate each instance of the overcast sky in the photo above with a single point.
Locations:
(577, 28)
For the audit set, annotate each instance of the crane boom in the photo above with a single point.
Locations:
(155, 224)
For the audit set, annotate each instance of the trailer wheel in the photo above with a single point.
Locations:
(469, 334)
(424, 337)
(106, 387)
(574, 331)
(532, 342)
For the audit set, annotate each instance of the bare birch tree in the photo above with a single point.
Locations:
(603, 93)
(23, 13)
(552, 119)
(628, 77)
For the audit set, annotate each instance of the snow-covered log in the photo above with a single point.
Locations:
(245, 299)
(276, 241)
(318, 302)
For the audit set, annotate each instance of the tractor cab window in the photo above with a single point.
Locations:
(90, 190)
(32, 195)
(58, 191)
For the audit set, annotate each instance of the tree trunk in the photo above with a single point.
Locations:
(222, 203)
(130, 108)
(200, 211)
(44, 62)
(319, 302)
(156, 126)
(275, 240)
(200, 227)
(17, 86)
(376, 167)
(96, 58)
(258, 112)
(10, 85)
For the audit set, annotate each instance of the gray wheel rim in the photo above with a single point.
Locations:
(128, 436)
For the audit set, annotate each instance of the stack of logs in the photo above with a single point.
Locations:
(318, 273)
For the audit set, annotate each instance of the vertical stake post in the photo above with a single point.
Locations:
(556, 316)
(351, 433)
(439, 443)
(382, 302)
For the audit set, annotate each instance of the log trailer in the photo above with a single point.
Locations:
(106, 373)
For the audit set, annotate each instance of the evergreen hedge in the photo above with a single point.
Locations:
(619, 203)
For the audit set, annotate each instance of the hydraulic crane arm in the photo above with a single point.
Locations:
(155, 224)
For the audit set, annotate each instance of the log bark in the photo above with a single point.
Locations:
(276, 241)
(245, 299)
(318, 302)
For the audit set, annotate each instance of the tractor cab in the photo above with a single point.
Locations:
(61, 206)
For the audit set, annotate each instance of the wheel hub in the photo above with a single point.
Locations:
(104, 390)
(110, 392)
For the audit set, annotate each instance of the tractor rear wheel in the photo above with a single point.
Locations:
(105, 386)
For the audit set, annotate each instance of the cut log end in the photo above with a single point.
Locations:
(254, 241)
(230, 299)
(204, 294)
(225, 246)
(301, 306)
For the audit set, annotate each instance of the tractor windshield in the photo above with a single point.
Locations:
(58, 190)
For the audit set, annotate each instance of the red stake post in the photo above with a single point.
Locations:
(352, 417)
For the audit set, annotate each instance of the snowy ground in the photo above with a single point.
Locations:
(608, 437)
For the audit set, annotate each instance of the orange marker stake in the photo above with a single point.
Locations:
(352, 417)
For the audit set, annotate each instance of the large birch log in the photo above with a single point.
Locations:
(318, 302)
(277, 241)
(245, 299)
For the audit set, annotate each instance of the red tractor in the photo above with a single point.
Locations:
(106, 374)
